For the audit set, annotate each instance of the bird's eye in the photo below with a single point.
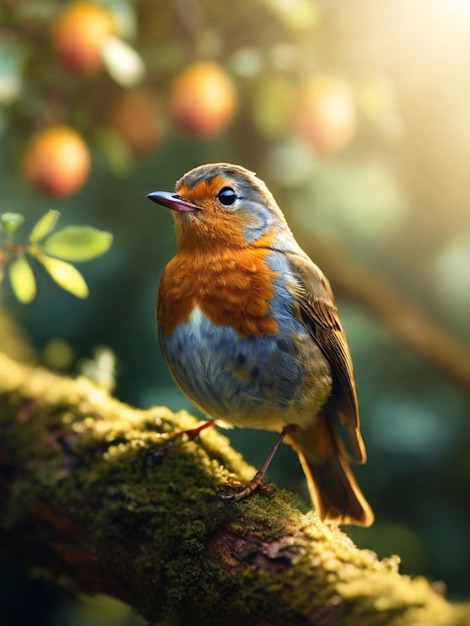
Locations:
(226, 196)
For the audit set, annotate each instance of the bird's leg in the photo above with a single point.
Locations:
(190, 433)
(257, 479)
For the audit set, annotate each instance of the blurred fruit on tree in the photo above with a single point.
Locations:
(137, 118)
(78, 36)
(142, 80)
(56, 161)
(203, 100)
(324, 114)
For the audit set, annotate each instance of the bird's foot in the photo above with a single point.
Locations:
(255, 484)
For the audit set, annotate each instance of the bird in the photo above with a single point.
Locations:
(250, 332)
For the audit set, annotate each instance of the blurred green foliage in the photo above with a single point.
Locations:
(395, 196)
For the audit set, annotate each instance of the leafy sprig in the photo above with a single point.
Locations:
(53, 250)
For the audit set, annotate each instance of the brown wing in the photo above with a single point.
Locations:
(318, 311)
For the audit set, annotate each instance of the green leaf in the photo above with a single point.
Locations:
(65, 275)
(78, 243)
(11, 222)
(44, 226)
(22, 280)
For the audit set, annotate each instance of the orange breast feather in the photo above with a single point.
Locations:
(229, 286)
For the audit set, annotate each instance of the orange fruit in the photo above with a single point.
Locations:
(56, 161)
(203, 100)
(78, 36)
(325, 115)
(136, 117)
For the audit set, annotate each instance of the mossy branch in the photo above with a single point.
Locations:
(82, 497)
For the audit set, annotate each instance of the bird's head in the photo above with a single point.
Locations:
(223, 204)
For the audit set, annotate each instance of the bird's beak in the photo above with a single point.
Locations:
(172, 201)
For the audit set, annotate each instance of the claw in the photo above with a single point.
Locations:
(155, 458)
(255, 483)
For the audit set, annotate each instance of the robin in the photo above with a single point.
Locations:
(250, 332)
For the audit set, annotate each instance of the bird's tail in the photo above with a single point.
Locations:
(333, 488)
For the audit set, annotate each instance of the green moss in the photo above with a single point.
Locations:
(159, 526)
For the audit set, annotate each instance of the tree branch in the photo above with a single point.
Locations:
(83, 497)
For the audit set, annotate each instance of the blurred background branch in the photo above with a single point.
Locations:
(406, 322)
